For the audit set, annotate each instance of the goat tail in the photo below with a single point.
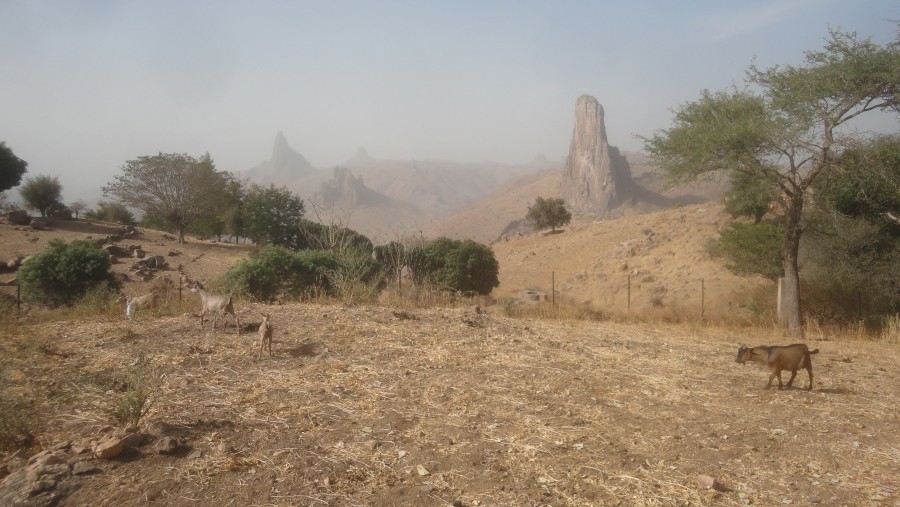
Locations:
(814, 351)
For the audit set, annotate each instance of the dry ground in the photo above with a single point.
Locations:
(365, 406)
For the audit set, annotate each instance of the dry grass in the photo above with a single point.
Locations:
(495, 411)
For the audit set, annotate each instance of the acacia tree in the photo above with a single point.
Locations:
(787, 130)
(174, 186)
(12, 168)
(550, 212)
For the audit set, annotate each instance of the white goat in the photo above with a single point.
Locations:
(216, 304)
(265, 335)
(133, 303)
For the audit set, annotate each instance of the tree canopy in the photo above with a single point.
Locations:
(464, 266)
(41, 193)
(12, 168)
(174, 186)
(548, 213)
(273, 216)
(787, 129)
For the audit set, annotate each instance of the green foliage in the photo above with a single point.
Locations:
(137, 400)
(173, 186)
(358, 277)
(392, 257)
(464, 266)
(273, 216)
(788, 133)
(62, 273)
(749, 196)
(41, 193)
(754, 249)
(548, 213)
(274, 272)
(334, 238)
(865, 183)
(12, 168)
(110, 211)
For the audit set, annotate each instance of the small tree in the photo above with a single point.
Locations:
(12, 168)
(174, 186)
(550, 212)
(78, 207)
(62, 273)
(109, 211)
(273, 216)
(41, 193)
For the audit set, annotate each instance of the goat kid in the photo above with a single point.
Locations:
(778, 358)
(133, 303)
(265, 335)
(216, 303)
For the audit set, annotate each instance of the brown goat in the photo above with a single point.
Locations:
(778, 358)
(265, 335)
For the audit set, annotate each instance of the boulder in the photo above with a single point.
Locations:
(18, 217)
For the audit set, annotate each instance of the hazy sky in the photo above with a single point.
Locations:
(87, 85)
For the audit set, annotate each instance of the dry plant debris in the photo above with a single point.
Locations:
(360, 407)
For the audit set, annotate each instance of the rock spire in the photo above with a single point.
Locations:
(596, 177)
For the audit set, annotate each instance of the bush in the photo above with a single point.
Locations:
(62, 273)
(273, 272)
(358, 277)
(137, 400)
(464, 266)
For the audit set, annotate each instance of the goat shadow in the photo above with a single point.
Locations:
(303, 350)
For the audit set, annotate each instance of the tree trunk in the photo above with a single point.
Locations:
(792, 315)
(181, 234)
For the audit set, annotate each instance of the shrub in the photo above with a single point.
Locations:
(464, 266)
(62, 273)
(358, 277)
(137, 400)
(273, 271)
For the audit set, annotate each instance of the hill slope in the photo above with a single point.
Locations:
(664, 252)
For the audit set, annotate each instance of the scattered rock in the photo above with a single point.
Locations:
(168, 446)
(108, 447)
(707, 482)
(138, 253)
(422, 471)
(85, 468)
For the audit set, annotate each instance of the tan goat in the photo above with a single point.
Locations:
(216, 303)
(265, 335)
(778, 358)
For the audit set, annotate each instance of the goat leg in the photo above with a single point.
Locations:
(791, 381)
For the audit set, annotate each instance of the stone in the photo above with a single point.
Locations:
(596, 177)
(108, 447)
(18, 217)
(85, 468)
(167, 446)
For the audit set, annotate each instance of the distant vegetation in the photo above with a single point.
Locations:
(548, 213)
